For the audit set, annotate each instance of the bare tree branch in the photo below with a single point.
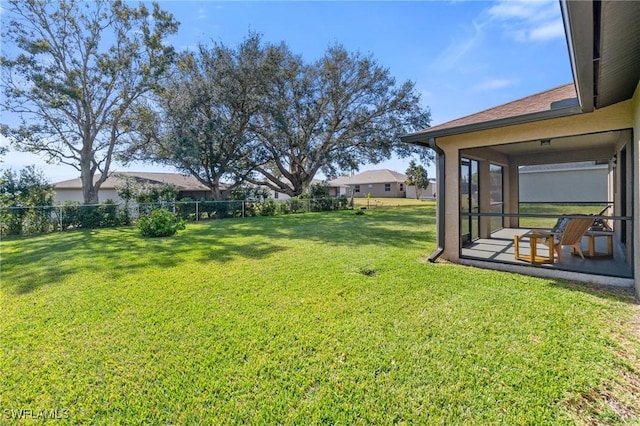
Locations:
(69, 88)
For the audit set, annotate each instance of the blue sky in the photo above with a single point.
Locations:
(464, 56)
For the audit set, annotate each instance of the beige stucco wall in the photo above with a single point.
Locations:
(377, 190)
(636, 187)
(65, 195)
(615, 117)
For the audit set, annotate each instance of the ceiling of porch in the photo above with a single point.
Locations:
(589, 147)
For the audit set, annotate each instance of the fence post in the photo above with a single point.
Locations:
(197, 211)
(243, 208)
(61, 213)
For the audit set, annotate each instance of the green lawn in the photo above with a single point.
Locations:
(317, 318)
(552, 209)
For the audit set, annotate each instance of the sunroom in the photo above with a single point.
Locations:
(497, 223)
(483, 218)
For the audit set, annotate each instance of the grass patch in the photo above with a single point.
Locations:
(274, 320)
(391, 202)
(552, 209)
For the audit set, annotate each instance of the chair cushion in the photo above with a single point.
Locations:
(560, 224)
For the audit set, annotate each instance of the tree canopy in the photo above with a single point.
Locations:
(207, 108)
(259, 113)
(79, 70)
(334, 114)
(29, 187)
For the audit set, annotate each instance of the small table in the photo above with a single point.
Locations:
(534, 237)
(591, 244)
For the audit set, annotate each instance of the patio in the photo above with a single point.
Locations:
(500, 248)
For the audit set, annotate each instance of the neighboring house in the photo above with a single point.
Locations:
(382, 183)
(596, 118)
(188, 186)
(579, 182)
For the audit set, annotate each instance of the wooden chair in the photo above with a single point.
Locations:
(571, 236)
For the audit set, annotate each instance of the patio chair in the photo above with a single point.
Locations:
(571, 235)
(601, 224)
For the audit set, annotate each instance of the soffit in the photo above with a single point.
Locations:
(618, 65)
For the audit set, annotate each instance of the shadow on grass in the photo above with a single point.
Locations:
(47, 259)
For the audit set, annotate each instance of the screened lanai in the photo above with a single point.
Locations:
(496, 221)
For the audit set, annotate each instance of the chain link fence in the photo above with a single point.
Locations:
(41, 219)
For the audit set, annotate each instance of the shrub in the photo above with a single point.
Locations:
(90, 217)
(70, 211)
(160, 223)
(109, 214)
(268, 208)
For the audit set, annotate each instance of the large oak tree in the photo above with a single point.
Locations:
(77, 70)
(259, 113)
(203, 123)
(333, 115)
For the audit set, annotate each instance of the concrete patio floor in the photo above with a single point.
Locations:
(500, 248)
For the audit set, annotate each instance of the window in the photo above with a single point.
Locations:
(276, 194)
(356, 188)
(387, 187)
(402, 187)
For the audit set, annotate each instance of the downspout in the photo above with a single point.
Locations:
(440, 197)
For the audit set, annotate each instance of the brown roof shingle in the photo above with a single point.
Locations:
(370, 176)
(182, 182)
(540, 102)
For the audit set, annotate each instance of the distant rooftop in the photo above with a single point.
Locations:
(370, 176)
(182, 182)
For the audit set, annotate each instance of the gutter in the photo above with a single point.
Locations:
(440, 197)
(580, 23)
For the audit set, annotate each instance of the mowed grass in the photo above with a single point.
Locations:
(556, 210)
(378, 202)
(318, 318)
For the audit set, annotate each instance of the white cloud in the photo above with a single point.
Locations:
(548, 31)
(458, 48)
(494, 84)
(202, 13)
(520, 20)
(528, 20)
(524, 10)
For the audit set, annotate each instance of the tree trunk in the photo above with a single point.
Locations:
(89, 190)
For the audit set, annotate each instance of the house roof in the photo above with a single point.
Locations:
(182, 182)
(555, 102)
(603, 39)
(370, 176)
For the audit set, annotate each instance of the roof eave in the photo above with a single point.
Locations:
(422, 138)
(580, 44)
